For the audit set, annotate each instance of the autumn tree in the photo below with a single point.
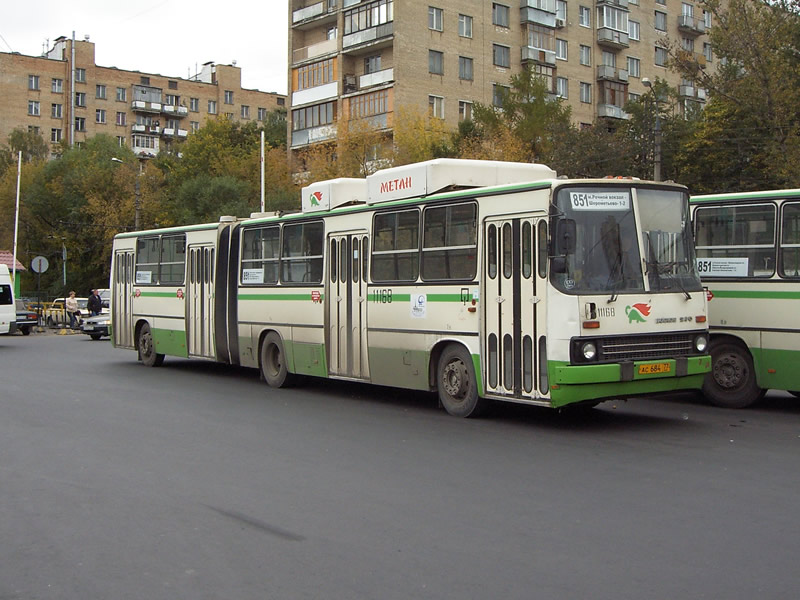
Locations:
(31, 144)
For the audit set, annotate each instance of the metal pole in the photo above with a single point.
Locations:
(262, 170)
(16, 225)
(657, 157)
(137, 203)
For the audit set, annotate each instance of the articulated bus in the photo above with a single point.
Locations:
(748, 257)
(478, 280)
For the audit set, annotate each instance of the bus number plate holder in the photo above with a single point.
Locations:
(654, 368)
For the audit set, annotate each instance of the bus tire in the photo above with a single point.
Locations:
(457, 385)
(147, 349)
(732, 380)
(273, 362)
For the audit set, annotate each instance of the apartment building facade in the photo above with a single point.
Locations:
(363, 59)
(66, 97)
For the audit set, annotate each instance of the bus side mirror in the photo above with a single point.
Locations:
(565, 237)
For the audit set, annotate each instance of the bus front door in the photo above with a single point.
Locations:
(346, 326)
(200, 302)
(122, 330)
(514, 314)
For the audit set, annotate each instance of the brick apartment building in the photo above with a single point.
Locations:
(363, 59)
(66, 97)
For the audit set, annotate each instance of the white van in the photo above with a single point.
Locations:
(8, 310)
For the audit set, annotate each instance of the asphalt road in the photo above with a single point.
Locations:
(197, 481)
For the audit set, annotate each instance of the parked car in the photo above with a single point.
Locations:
(97, 326)
(56, 315)
(26, 319)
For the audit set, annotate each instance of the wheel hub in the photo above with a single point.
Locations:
(729, 372)
(454, 379)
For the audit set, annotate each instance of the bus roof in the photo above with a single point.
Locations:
(746, 196)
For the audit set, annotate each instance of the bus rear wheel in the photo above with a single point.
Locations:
(273, 361)
(457, 385)
(732, 380)
(147, 349)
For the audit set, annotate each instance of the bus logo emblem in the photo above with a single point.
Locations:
(316, 197)
(638, 312)
(315, 296)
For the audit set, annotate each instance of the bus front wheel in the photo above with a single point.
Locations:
(273, 361)
(147, 349)
(732, 381)
(456, 383)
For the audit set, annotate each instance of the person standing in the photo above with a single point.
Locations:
(95, 303)
(71, 305)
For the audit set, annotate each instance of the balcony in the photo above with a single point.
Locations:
(611, 38)
(315, 13)
(373, 34)
(304, 137)
(609, 73)
(376, 78)
(538, 55)
(314, 50)
(688, 25)
(539, 16)
(149, 107)
(611, 111)
(151, 129)
(686, 91)
(175, 111)
(315, 94)
(618, 3)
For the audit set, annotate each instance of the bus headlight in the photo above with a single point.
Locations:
(701, 343)
(589, 351)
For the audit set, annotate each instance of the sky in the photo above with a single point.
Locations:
(166, 37)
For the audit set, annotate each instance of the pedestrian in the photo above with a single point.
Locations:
(71, 305)
(95, 304)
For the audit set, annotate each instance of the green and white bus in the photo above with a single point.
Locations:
(748, 256)
(478, 280)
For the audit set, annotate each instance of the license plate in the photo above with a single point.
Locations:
(90, 327)
(654, 368)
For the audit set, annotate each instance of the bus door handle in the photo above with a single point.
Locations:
(535, 300)
(338, 298)
(500, 300)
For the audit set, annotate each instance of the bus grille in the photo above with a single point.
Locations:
(647, 347)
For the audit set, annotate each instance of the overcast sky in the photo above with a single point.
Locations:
(167, 37)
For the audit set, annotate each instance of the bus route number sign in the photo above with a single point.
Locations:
(599, 200)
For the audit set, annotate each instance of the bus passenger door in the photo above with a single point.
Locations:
(513, 304)
(346, 315)
(122, 299)
(200, 302)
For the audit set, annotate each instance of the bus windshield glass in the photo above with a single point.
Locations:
(609, 253)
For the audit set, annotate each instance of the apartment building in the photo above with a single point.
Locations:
(363, 59)
(66, 97)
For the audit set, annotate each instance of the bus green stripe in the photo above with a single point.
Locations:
(754, 294)
(158, 294)
(429, 297)
(304, 296)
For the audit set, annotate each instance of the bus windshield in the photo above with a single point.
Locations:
(610, 255)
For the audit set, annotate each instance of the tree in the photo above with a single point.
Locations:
(31, 144)
(418, 136)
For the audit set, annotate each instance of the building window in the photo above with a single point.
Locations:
(372, 64)
(435, 18)
(435, 62)
(280, 101)
(262, 114)
(122, 94)
(500, 15)
(707, 19)
(586, 55)
(436, 106)
(609, 59)
(501, 55)
(33, 82)
(543, 38)
(194, 126)
(464, 110)
(212, 107)
(662, 2)
(633, 97)
(194, 104)
(56, 110)
(498, 93)
(561, 10)
(313, 116)
(144, 141)
(57, 86)
(633, 30)
(561, 49)
(309, 76)
(586, 93)
(122, 118)
(245, 111)
(80, 75)
(584, 16)
(34, 108)
(100, 91)
(80, 124)
(172, 100)
(100, 116)
(612, 18)
(562, 87)
(660, 21)
(368, 15)
(661, 57)
(55, 135)
(465, 26)
(33, 129)
(228, 97)
(121, 141)
(144, 80)
(707, 51)
(368, 105)
(634, 66)
(229, 116)
(465, 68)
(687, 44)
(173, 85)
(80, 98)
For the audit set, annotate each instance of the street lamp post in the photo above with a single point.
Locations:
(657, 137)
